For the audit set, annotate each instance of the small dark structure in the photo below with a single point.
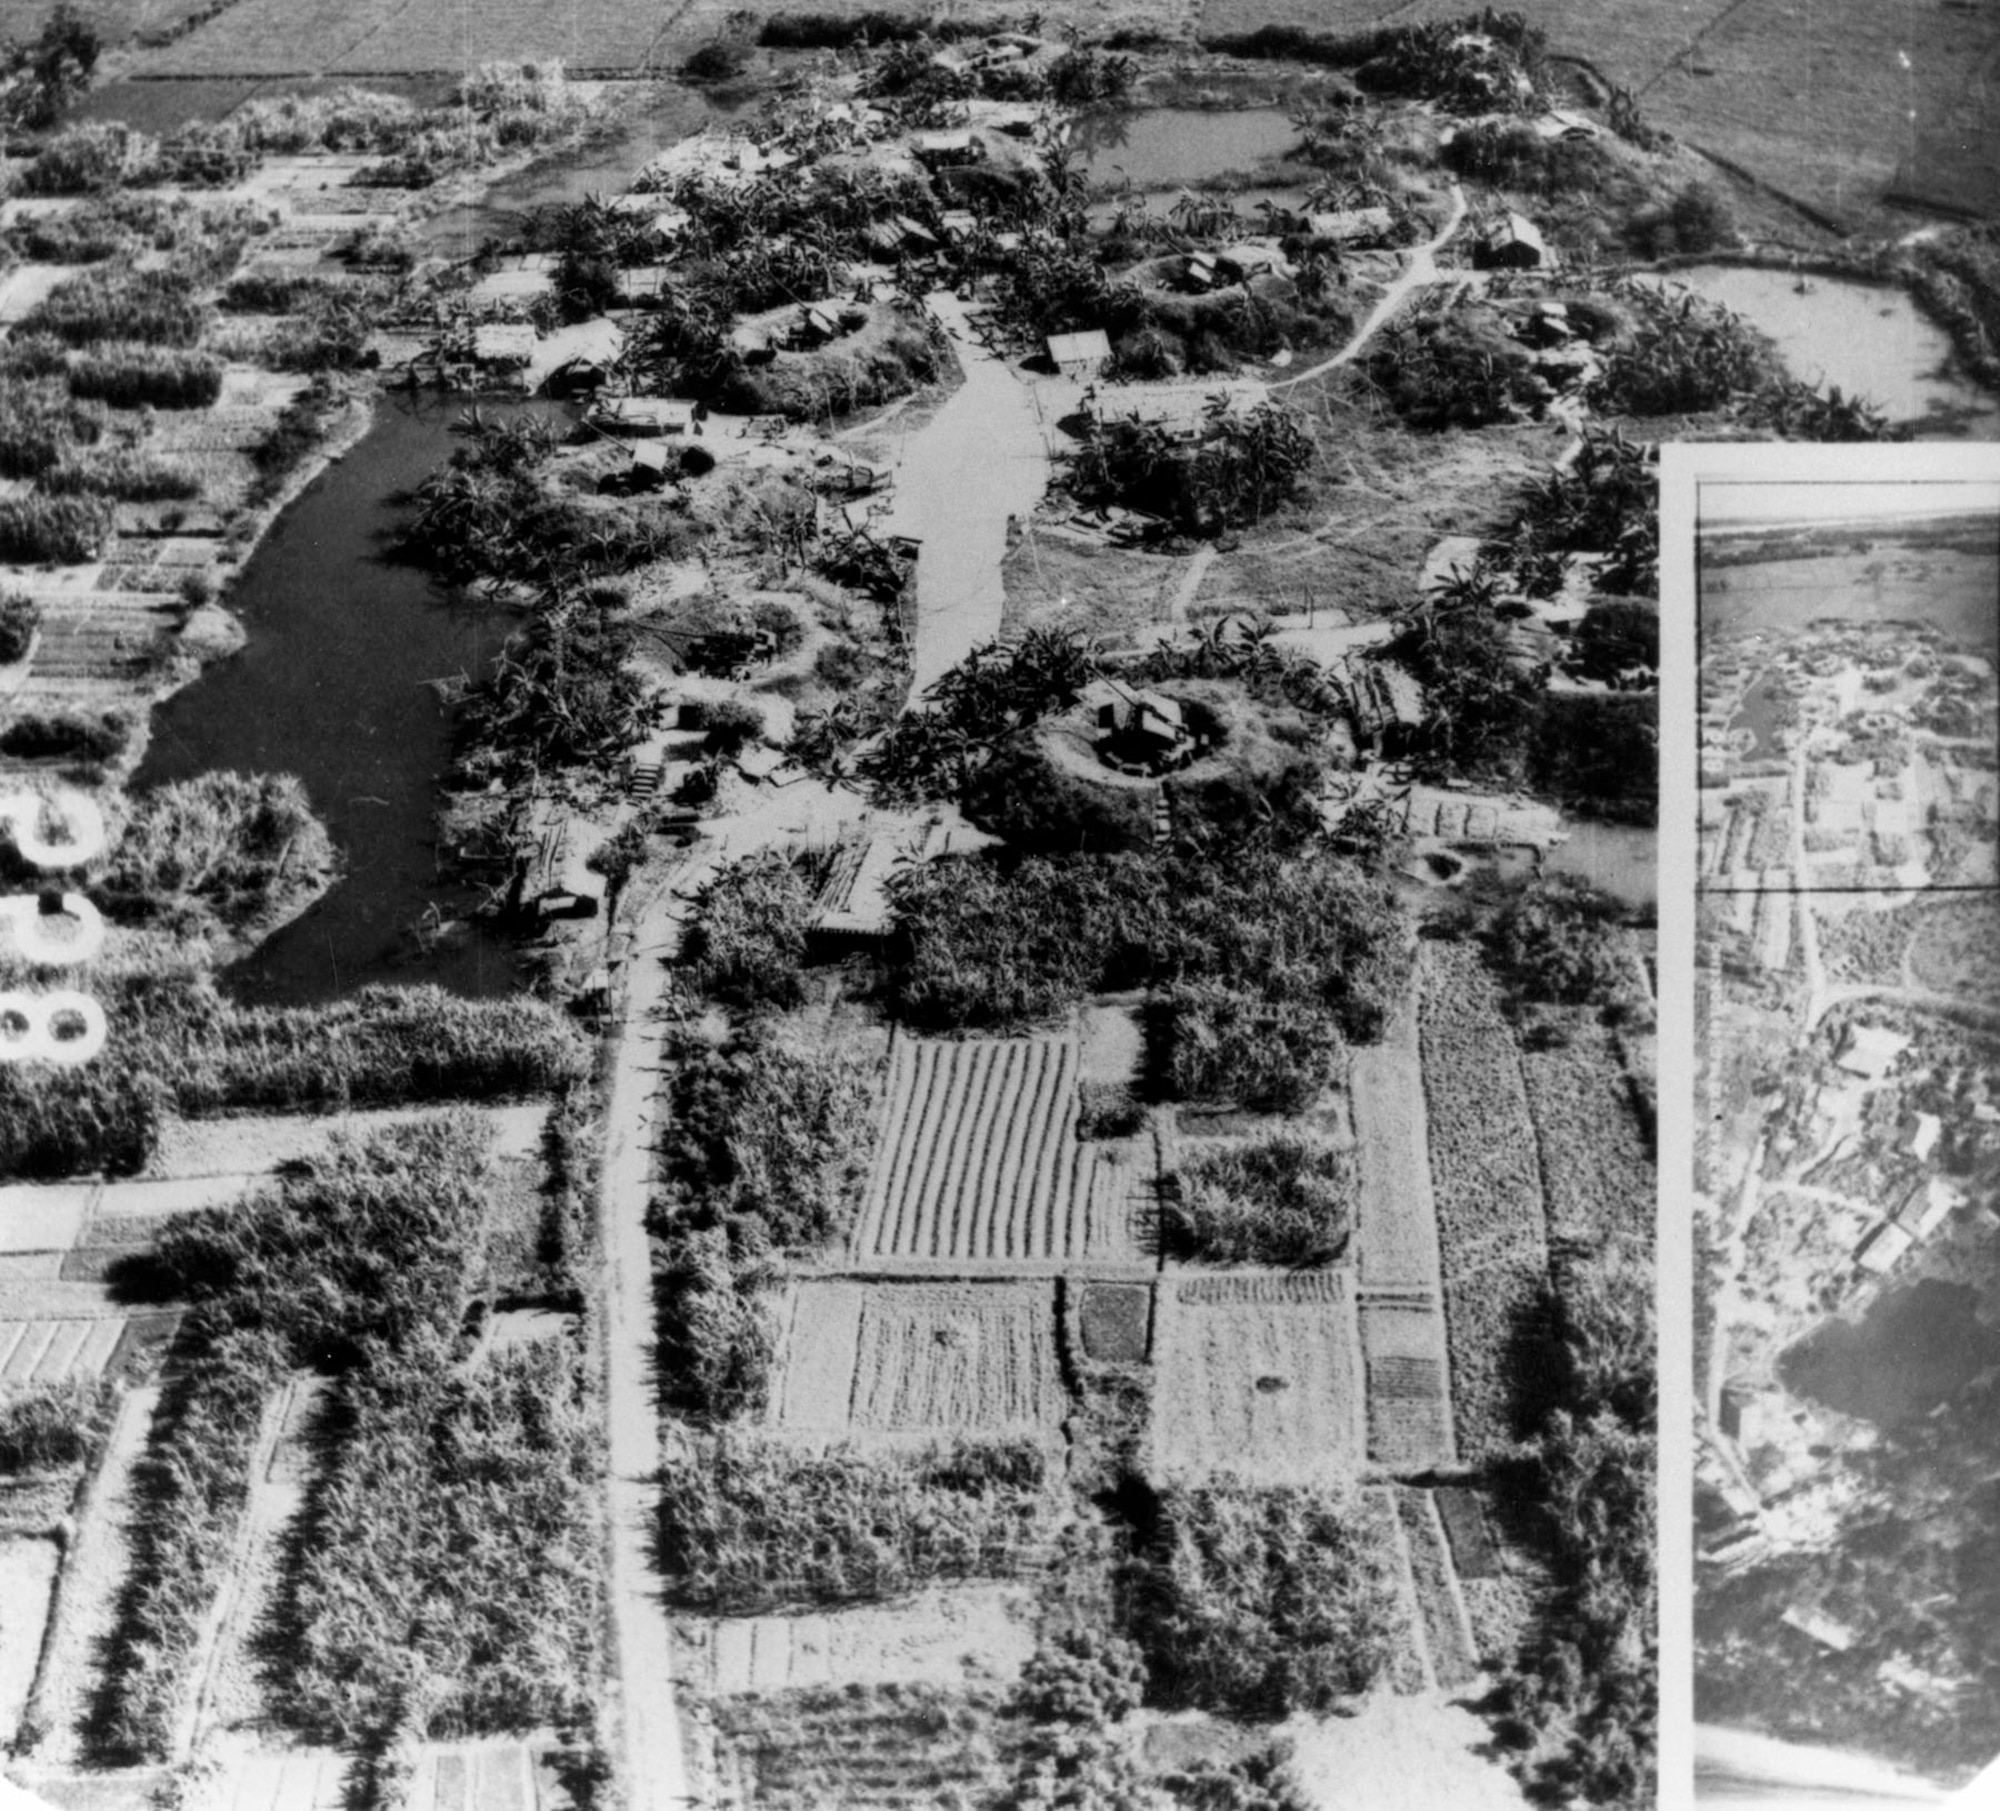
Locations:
(1515, 244)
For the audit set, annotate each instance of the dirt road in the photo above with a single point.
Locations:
(1420, 272)
(651, 1760)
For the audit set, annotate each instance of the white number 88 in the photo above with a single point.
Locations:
(62, 1027)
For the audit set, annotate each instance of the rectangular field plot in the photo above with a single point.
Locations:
(45, 1351)
(1258, 1373)
(394, 37)
(919, 1359)
(1397, 1231)
(1409, 1415)
(980, 1163)
(947, 1635)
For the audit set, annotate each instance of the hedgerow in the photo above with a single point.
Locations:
(748, 1524)
(57, 531)
(150, 307)
(143, 376)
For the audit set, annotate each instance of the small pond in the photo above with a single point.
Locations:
(1172, 147)
(333, 685)
(1621, 859)
(1869, 339)
(1913, 1349)
(163, 106)
(1758, 714)
(605, 166)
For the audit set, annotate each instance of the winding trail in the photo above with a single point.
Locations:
(1420, 272)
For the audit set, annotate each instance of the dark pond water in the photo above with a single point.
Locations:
(1758, 713)
(1621, 859)
(1913, 1349)
(605, 166)
(1170, 147)
(332, 687)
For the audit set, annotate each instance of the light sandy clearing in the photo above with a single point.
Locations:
(1401, 1753)
(948, 1635)
(27, 1576)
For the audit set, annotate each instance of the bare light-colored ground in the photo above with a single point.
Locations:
(1418, 1752)
(27, 1576)
(943, 1636)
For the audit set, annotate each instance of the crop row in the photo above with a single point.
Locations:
(1491, 1224)
(1596, 1162)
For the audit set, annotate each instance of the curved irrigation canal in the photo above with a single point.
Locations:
(333, 685)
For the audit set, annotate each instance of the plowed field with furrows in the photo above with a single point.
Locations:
(979, 1159)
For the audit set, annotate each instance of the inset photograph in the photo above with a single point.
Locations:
(1847, 1243)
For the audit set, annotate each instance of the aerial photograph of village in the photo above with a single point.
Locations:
(829, 833)
(1848, 1127)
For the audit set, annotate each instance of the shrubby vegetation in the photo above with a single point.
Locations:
(1577, 1706)
(1262, 939)
(1236, 471)
(749, 1524)
(766, 1145)
(1286, 1202)
(149, 307)
(1687, 357)
(177, 1044)
(57, 531)
(1556, 940)
(123, 473)
(1263, 1602)
(139, 376)
(45, 1426)
(747, 939)
(220, 852)
(42, 76)
(20, 617)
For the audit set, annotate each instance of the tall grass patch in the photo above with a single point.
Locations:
(749, 1524)
(221, 852)
(147, 307)
(138, 376)
(1264, 1602)
(362, 1258)
(1280, 1201)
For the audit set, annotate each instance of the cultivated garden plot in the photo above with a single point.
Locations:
(981, 1162)
(1491, 1218)
(1409, 1411)
(918, 1359)
(1257, 1374)
(1397, 1231)
(947, 1635)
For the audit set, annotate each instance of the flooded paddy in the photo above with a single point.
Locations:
(1913, 1349)
(1758, 716)
(1180, 147)
(333, 685)
(1869, 339)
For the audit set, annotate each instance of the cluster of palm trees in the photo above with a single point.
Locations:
(1237, 467)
